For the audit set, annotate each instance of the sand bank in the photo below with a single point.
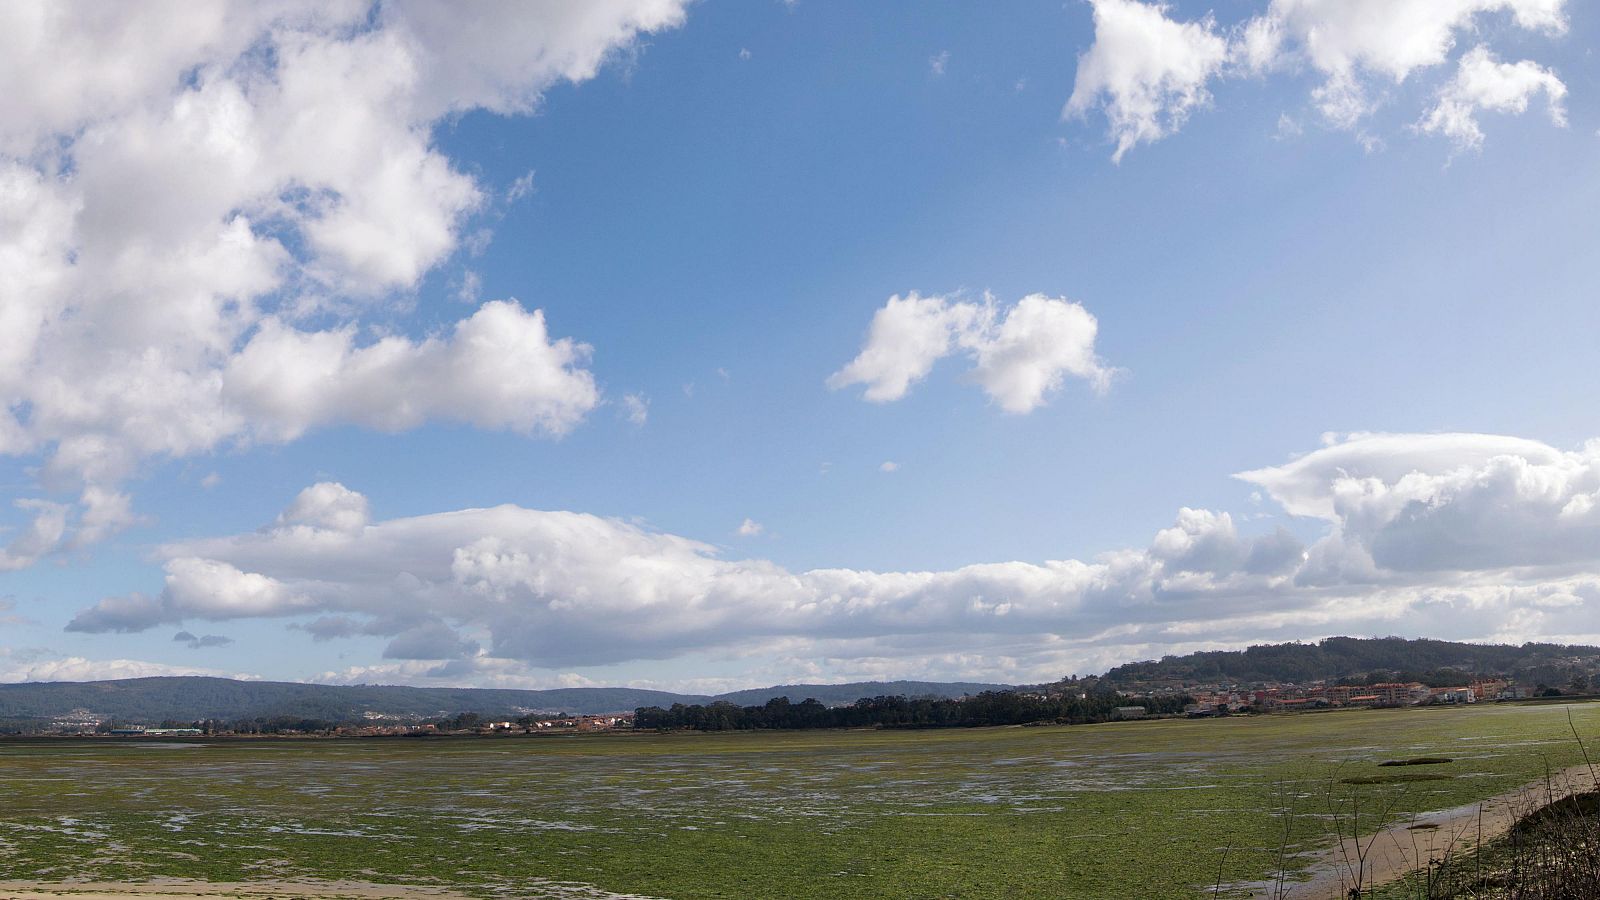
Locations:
(1408, 845)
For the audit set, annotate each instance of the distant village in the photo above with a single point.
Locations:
(572, 724)
(1213, 699)
(84, 723)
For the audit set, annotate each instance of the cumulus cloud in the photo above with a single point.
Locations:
(1038, 342)
(907, 336)
(1020, 355)
(203, 212)
(329, 505)
(500, 369)
(1457, 536)
(1484, 83)
(1448, 503)
(1146, 70)
(750, 528)
(1149, 71)
(1351, 42)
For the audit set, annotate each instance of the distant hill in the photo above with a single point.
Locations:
(191, 698)
(1346, 657)
(837, 694)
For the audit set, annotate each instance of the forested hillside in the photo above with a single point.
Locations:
(840, 694)
(1353, 658)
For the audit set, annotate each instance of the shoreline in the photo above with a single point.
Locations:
(1407, 846)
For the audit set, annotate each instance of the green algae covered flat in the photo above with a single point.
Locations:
(1136, 809)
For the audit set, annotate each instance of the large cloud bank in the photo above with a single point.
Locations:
(1463, 536)
(1148, 71)
(205, 211)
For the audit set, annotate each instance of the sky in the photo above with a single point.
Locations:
(713, 345)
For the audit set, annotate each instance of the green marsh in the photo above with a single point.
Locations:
(1136, 809)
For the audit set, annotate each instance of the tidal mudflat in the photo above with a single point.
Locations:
(1135, 809)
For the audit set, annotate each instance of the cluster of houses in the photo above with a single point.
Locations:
(577, 723)
(1212, 700)
(525, 725)
(145, 731)
(85, 723)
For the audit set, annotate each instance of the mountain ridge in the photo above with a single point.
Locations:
(197, 697)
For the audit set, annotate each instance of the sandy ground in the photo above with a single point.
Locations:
(178, 889)
(1405, 847)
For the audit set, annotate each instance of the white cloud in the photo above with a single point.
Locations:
(1020, 355)
(474, 670)
(1306, 486)
(937, 62)
(470, 288)
(198, 205)
(636, 408)
(521, 187)
(907, 336)
(502, 57)
(1448, 502)
(1396, 37)
(500, 369)
(78, 668)
(328, 505)
(1456, 536)
(43, 533)
(105, 512)
(1350, 41)
(1483, 82)
(888, 466)
(1147, 71)
(1039, 342)
(750, 528)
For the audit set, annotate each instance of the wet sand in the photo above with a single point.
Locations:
(1407, 846)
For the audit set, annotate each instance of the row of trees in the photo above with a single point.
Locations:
(989, 708)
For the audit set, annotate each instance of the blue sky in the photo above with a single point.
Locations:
(718, 200)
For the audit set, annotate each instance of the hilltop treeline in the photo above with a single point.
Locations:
(988, 708)
(1364, 660)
